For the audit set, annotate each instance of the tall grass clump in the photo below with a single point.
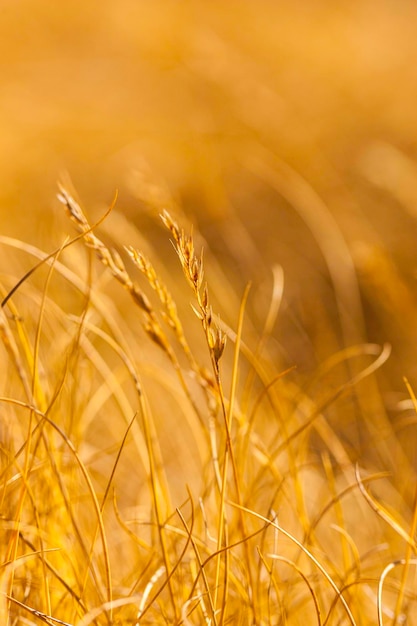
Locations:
(160, 466)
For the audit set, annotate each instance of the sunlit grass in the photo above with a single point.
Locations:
(148, 477)
(207, 387)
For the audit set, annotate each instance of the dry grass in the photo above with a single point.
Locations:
(138, 488)
(248, 459)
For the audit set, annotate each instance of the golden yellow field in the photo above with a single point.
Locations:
(208, 269)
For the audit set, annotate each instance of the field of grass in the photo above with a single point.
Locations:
(208, 327)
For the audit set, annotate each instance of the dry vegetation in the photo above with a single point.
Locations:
(207, 409)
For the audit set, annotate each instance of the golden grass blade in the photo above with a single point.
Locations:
(337, 507)
(39, 399)
(47, 619)
(107, 607)
(87, 479)
(158, 499)
(57, 575)
(317, 216)
(384, 514)
(143, 608)
(228, 417)
(61, 488)
(306, 552)
(412, 532)
(379, 361)
(383, 576)
(283, 559)
(65, 198)
(270, 320)
(201, 569)
(13, 351)
(98, 301)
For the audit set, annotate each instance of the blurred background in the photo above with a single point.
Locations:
(284, 131)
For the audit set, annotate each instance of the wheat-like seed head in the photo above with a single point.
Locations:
(193, 268)
(112, 259)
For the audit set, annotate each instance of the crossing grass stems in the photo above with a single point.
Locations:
(268, 532)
